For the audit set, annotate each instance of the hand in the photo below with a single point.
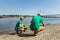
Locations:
(42, 24)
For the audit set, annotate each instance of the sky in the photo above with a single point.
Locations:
(29, 7)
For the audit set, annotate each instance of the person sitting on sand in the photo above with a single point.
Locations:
(20, 26)
(36, 24)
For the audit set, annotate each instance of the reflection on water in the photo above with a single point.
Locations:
(8, 24)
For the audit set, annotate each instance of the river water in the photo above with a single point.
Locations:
(8, 24)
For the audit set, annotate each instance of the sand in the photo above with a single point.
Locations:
(51, 32)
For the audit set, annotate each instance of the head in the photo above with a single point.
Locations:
(39, 14)
(21, 18)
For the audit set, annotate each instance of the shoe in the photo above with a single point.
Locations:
(35, 34)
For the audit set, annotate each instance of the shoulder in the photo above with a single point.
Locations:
(35, 16)
(19, 20)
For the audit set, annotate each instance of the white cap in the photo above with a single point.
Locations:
(40, 13)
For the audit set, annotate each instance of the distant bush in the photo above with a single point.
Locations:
(1, 16)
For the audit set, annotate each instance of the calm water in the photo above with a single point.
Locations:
(8, 24)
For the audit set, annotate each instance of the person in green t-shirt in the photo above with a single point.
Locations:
(19, 26)
(36, 24)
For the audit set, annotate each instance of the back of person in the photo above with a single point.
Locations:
(35, 23)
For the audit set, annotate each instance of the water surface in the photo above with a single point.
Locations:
(8, 24)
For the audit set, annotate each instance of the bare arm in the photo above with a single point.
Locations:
(20, 25)
(42, 24)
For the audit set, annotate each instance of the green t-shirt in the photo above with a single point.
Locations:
(35, 23)
(17, 25)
